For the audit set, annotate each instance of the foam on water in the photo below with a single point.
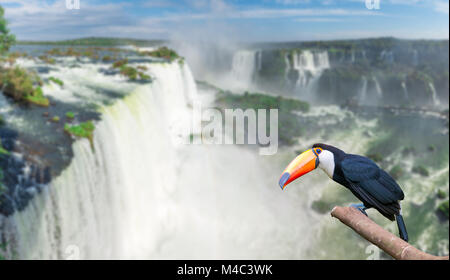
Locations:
(142, 194)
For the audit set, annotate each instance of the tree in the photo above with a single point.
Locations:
(6, 39)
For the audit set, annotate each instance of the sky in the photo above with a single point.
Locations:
(243, 20)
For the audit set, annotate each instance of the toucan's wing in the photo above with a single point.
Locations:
(363, 173)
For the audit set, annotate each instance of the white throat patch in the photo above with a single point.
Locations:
(326, 162)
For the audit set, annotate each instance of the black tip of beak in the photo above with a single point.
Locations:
(284, 179)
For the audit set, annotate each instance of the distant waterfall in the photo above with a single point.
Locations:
(415, 58)
(434, 95)
(243, 68)
(363, 91)
(405, 90)
(378, 87)
(387, 56)
(258, 61)
(309, 66)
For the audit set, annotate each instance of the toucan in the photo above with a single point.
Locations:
(368, 182)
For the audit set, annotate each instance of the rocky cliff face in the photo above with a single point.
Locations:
(376, 71)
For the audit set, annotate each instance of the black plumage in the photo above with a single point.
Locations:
(368, 182)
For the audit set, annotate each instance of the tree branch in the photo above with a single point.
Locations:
(386, 241)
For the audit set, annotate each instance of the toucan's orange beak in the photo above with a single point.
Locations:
(302, 164)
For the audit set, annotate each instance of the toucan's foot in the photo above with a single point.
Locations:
(360, 207)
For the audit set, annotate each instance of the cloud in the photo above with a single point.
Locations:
(50, 20)
(41, 20)
(441, 7)
(318, 19)
(157, 4)
(291, 2)
(282, 13)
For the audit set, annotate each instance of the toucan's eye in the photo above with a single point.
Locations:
(318, 151)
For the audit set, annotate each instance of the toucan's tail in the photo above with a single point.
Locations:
(401, 227)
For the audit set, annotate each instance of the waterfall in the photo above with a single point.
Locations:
(387, 56)
(415, 58)
(244, 67)
(309, 67)
(259, 60)
(363, 91)
(433, 94)
(364, 54)
(141, 193)
(378, 87)
(405, 90)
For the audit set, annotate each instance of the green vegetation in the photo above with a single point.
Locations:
(131, 72)
(107, 58)
(397, 172)
(273, 67)
(38, 98)
(83, 130)
(89, 52)
(181, 61)
(3, 151)
(441, 194)
(443, 208)
(55, 119)
(162, 52)
(6, 39)
(56, 81)
(70, 115)
(2, 186)
(420, 169)
(11, 57)
(377, 157)
(20, 85)
(408, 151)
(86, 52)
(46, 59)
(143, 76)
(262, 101)
(321, 206)
(120, 63)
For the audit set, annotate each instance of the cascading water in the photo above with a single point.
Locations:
(363, 91)
(405, 91)
(309, 66)
(141, 193)
(387, 56)
(243, 67)
(433, 94)
(378, 87)
(258, 61)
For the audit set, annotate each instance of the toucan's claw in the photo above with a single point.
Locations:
(360, 207)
